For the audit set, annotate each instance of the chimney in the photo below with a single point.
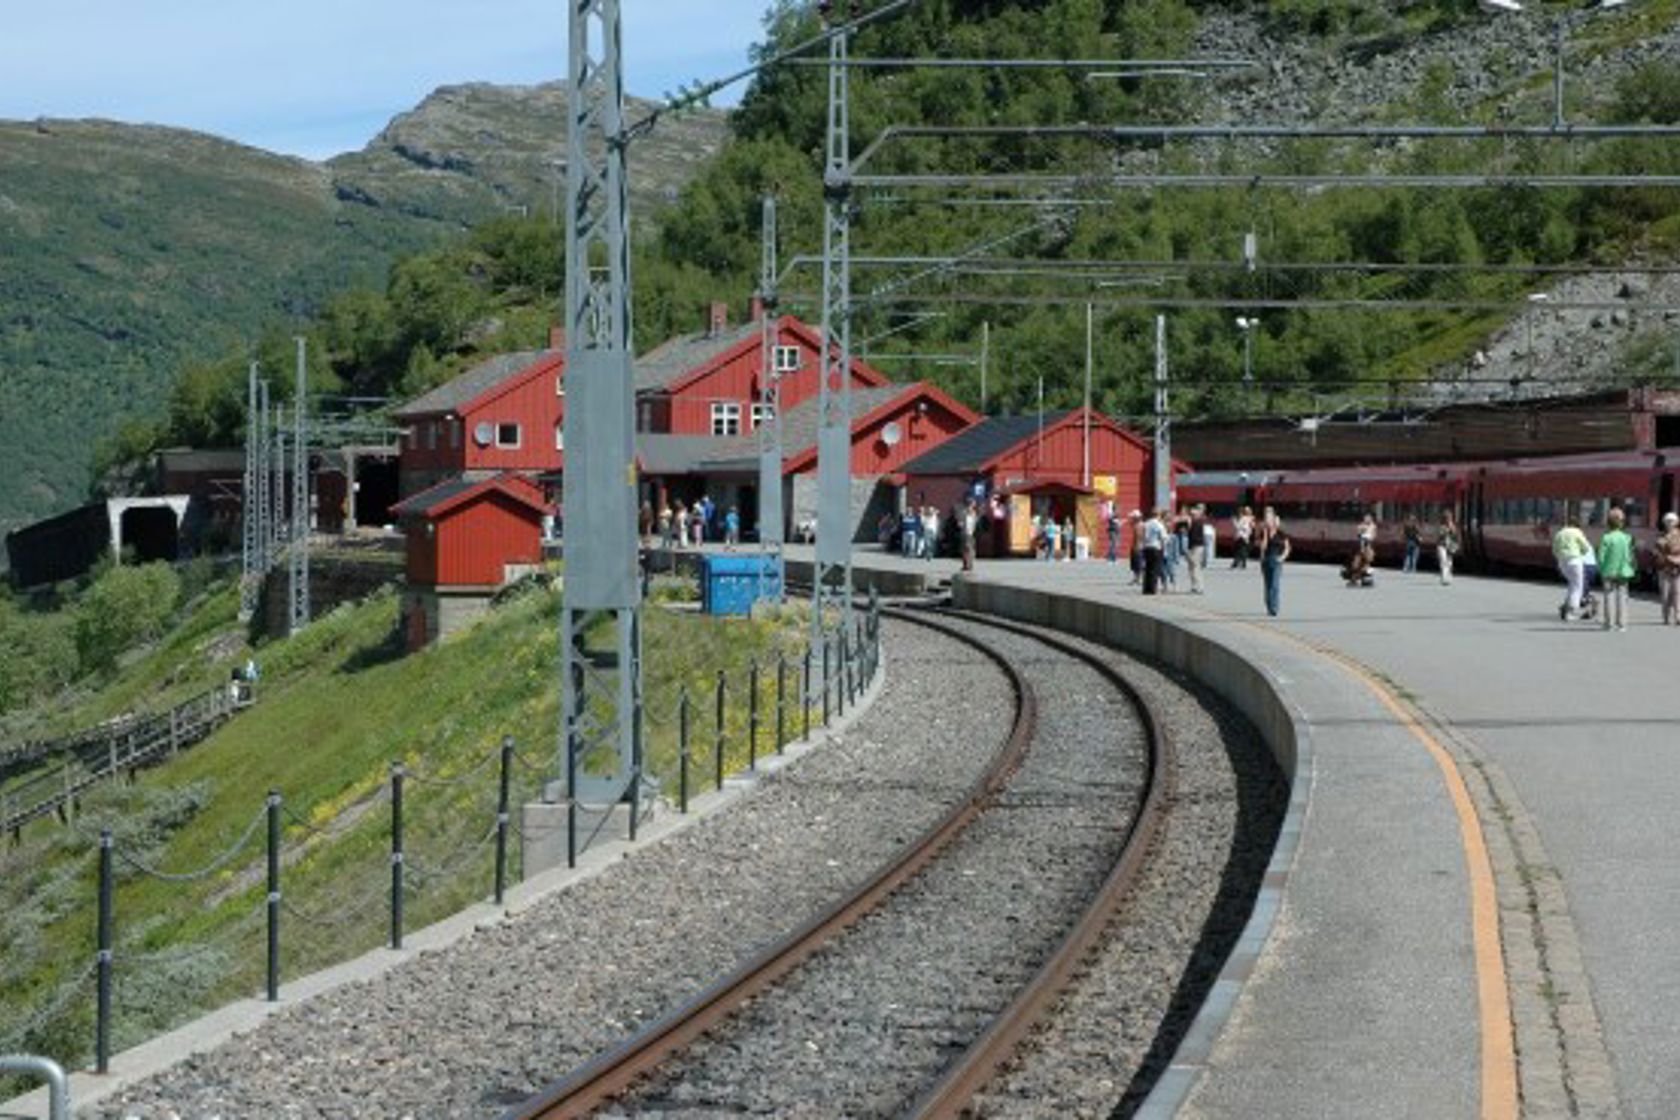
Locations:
(718, 320)
(556, 338)
(757, 308)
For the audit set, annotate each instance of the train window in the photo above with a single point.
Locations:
(1592, 511)
(1634, 509)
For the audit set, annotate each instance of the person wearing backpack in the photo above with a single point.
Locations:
(1616, 569)
(1668, 568)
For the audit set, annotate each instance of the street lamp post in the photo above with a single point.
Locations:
(1246, 325)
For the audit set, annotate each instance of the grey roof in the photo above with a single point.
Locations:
(663, 453)
(231, 460)
(442, 492)
(469, 386)
(970, 450)
(675, 357)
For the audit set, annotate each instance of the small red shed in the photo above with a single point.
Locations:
(466, 540)
(1042, 458)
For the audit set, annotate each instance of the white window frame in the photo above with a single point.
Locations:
(726, 418)
(559, 384)
(787, 359)
(762, 413)
(560, 436)
(518, 435)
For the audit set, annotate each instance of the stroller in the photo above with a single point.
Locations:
(1357, 571)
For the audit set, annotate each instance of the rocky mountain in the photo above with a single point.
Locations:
(128, 250)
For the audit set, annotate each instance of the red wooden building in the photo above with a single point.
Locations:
(502, 415)
(465, 541)
(1037, 466)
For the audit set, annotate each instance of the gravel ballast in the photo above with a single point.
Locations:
(865, 1026)
(468, 1030)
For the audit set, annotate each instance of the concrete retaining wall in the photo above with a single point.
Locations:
(1185, 646)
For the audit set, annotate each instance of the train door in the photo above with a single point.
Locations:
(1470, 518)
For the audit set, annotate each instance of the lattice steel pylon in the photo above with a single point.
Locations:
(831, 600)
(600, 618)
(298, 616)
(768, 423)
(251, 508)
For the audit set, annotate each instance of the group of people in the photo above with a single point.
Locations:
(1614, 564)
(681, 526)
(1360, 570)
(1161, 542)
(918, 532)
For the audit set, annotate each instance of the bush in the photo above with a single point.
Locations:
(123, 608)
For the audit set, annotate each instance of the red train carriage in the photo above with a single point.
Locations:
(1519, 504)
(1507, 511)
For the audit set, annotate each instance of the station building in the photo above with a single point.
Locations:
(465, 541)
(1034, 465)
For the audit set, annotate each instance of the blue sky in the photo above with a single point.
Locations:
(313, 77)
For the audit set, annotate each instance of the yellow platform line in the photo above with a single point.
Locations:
(1499, 1094)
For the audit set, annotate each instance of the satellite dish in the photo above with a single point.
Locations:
(892, 433)
(484, 434)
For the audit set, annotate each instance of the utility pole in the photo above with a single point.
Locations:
(1090, 316)
(601, 687)
(250, 504)
(769, 425)
(985, 354)
(1038, 448)
(1163, 420)
(832, 588)
(300, 497)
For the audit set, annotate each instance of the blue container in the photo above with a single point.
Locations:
(731, 584)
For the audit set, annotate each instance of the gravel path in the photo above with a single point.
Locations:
(467, 1030)
(1115, 1030)
(867, 1024)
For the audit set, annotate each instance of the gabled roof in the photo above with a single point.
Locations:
(978, 449)
(457, 492)
(679, 362)
(675, 359)
(970, 451)
(482, 380)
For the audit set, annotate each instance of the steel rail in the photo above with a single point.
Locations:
(951, 1096)
(612, 1073)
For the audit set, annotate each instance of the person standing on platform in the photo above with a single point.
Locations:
(1135, 518)
(1668, 568)
(930, 533)
(1446, 546)
(1616, 569)
(970, 527)
(1274, 550)
(1113, 524)
(1195, 558)
(1243, 530)
(1154, 545)
(1051, 532)
(1571, 549)
(732, 527)
(1412, 533)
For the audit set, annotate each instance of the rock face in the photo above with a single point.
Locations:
(1483, 70)
(471, 149)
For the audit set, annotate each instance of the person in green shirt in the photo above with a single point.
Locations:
(1571, 548)
(1616, 568)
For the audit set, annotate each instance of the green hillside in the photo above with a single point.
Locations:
(128, 252)
(338, 705)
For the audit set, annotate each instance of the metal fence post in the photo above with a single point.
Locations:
(682, 751)
(805, 691)
(273, 896)
(845, 679)
(718, 741)
(396, 855)
(825, 678)
(752, 716)
(102, 1020)
(502, 818)
(781, 702)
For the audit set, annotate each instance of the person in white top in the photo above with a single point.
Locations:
(1154, 550)
(1243, 529)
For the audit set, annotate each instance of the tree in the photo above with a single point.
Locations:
(124, 607)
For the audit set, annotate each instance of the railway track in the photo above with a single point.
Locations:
(912, 996)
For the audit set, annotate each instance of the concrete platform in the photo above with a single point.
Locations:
(1368, 992)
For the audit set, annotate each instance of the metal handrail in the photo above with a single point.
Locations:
(58, 1085)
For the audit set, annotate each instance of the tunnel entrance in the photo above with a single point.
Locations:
(150, 533)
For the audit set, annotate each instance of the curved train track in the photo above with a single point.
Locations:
(624, 1076)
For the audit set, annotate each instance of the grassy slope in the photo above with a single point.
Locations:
(338, 707)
